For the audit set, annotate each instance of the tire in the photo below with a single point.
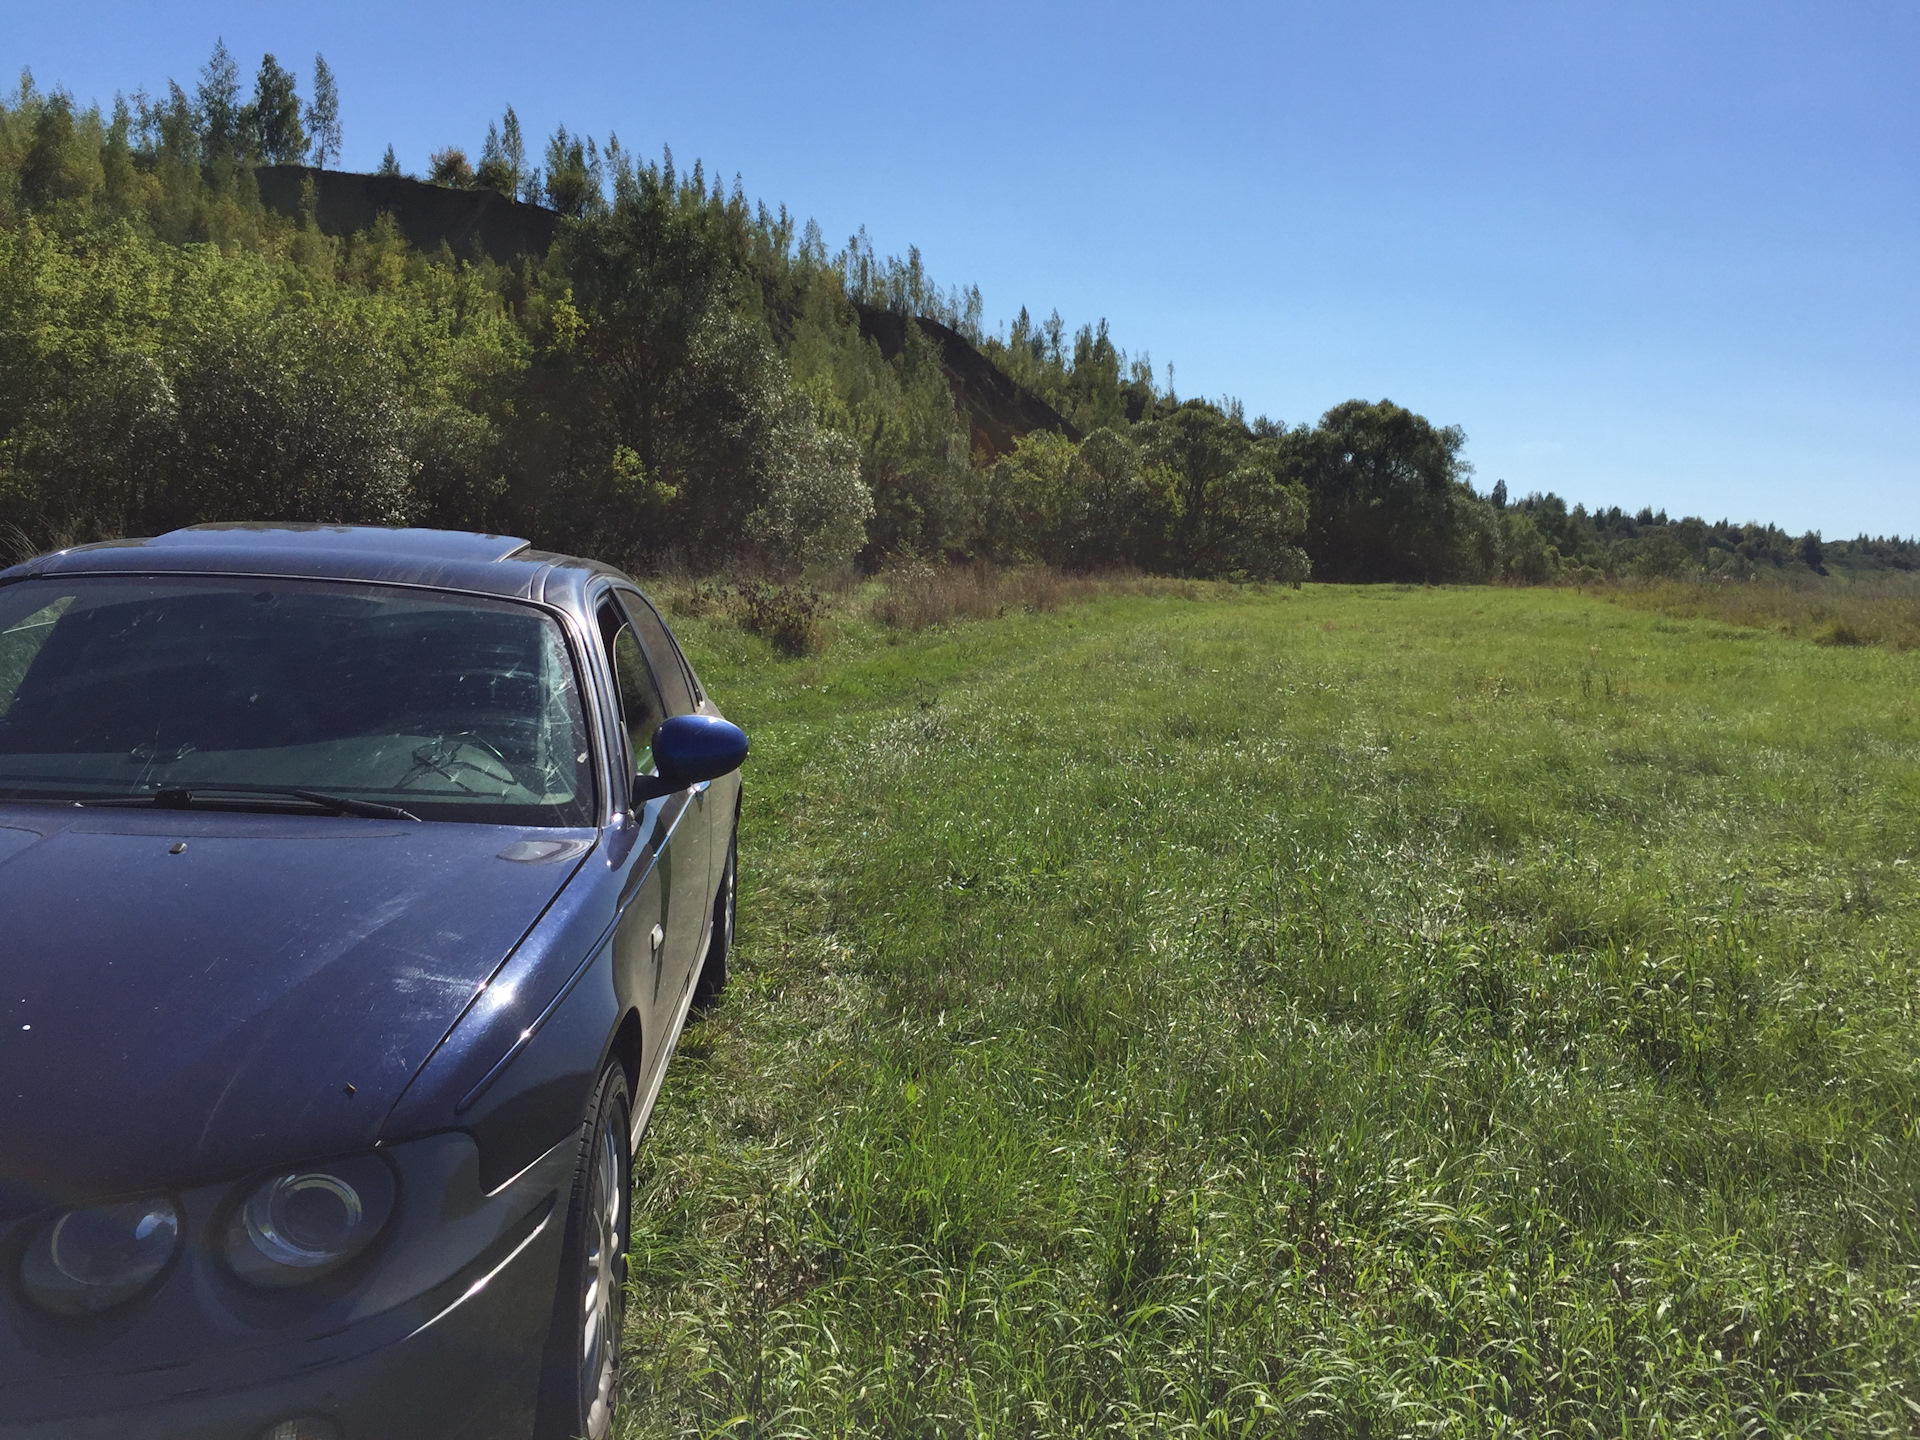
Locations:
(581, 1370)
(713, 965)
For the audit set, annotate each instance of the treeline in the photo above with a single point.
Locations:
(1555, 542)
(682, 378)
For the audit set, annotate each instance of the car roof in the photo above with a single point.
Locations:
(501, 565)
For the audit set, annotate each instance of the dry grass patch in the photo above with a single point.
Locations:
(917, 596)
(1882, 611)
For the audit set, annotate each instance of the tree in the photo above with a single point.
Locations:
(323, 115)
(679, 424)
(899, 413)
(1093, 389)
(503, 159)
(176, 129)
(575, 180)
(1030, 499)
(1661, 556)
(144, 386)
(275, 112)
(450, 167)
(1387, 496)
(1811, 553)
(513, 148)
(1238, 507)
(217, 106)
(492, 173)
(389, 163)
(1530, 560)
(59, 163)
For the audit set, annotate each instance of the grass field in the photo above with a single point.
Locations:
(1344, 1012)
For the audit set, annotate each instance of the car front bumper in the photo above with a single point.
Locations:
(459, 1362)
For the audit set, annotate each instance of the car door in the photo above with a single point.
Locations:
(693, 837)
(661, 899)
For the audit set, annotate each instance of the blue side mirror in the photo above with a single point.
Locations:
(688, 749)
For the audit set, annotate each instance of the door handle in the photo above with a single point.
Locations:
(657, 937)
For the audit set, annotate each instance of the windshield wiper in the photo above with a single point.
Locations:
(176, 797)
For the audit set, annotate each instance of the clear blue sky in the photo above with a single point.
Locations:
(1643, 253)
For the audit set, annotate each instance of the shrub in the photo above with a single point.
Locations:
(788, 615)
(703, 598)
(450, 167)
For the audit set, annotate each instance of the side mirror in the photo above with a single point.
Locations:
(688, 749)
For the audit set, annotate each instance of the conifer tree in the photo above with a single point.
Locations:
(491, 173)
(503, 159)
(575, 177)
(513, 148)
(277, 133)
(217, 106)
(323, 114)
(175, 127)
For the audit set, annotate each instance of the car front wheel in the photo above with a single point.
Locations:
(581, 1370)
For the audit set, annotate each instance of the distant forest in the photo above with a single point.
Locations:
(680, 377)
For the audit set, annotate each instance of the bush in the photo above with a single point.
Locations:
(704, 598)
(450, 167)
(692, 436)
(145, 388)
(791, 617)
(1530, 560)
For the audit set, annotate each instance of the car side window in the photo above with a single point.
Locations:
(668, 666)
(641, 706)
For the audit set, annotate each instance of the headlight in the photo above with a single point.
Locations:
(93, 1259)
(296, 1227)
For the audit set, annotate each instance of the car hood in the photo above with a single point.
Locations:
(186, 996)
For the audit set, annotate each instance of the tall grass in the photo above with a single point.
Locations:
(1358, 1012)
(916, 596)
(792, 617)
(1883, 611)
(800, 619)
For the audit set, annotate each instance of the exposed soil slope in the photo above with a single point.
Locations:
(426, 214)
(998, 409)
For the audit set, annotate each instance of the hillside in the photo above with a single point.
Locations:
(195, 324)
(467, 222)
(999, 410)
(481, 221)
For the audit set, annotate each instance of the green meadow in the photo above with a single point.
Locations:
(1352, 1011)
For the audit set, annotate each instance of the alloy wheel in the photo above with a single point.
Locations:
(603, 1280)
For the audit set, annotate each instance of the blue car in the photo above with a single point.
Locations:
(355, 885)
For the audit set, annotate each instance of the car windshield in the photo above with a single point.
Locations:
(449, 706)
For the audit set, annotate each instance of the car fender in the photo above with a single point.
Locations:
(516, 1068)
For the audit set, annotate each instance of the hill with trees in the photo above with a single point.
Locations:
(618, 356)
